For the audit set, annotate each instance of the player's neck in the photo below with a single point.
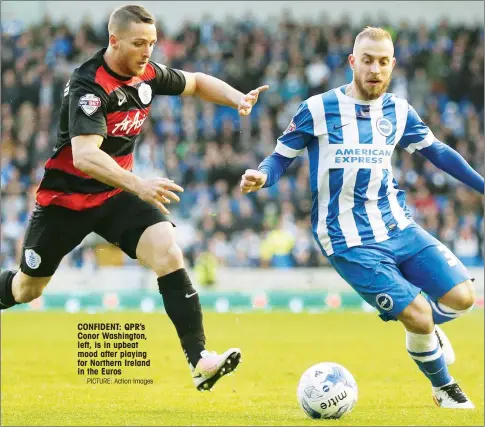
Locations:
(110, 61)
(352, 91)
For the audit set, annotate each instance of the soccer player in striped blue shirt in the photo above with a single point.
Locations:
(359, 215)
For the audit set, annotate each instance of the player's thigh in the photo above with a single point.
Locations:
(377, 279)
(125, 219)
(52, 232)
(434, 269)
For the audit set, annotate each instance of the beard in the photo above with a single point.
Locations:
(372, 92)
(132, 68)
(129, 67)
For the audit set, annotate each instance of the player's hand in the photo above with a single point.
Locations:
(252, 181)
(246, 105)
(159, 191)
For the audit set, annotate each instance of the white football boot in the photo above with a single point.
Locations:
(446, 347)
(451, 396)
(213, 366)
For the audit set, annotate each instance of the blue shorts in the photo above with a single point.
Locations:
(390, 274)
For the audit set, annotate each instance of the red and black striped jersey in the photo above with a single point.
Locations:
(99, 101)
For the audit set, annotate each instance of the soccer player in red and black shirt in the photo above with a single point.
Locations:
(88, 185)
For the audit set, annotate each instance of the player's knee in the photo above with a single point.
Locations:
(466, 300)
(26, 289)
(167, 258)
(461, 297)
(417, 317)
(174, 257)
(158, 249)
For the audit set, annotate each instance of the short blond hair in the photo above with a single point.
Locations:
(374, 33)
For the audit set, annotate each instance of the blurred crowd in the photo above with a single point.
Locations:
(206, 148)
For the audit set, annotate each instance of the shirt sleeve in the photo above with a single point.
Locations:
(88, 105)
(168, 81)
(450, 161)
(298, 133)
(416, 134)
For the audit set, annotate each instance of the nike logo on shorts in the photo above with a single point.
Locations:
(190, 295)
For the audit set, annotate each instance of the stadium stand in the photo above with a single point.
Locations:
(206, 148)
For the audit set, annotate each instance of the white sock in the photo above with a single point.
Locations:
(419, 343)
(425, 350)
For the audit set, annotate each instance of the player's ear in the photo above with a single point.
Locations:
(351, 61)
(113, 41)
(393, 62)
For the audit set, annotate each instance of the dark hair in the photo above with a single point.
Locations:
(123, 16)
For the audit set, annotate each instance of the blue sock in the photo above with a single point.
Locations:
(442, 313)
(425, 350)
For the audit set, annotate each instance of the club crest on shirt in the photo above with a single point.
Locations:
(89, 103)
(384, 126)
(145, 93)
(291, 127)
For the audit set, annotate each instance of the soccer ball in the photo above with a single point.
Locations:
(327, 390)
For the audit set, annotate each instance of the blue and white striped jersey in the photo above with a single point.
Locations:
(356, 200)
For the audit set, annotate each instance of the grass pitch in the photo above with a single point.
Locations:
(41, 385)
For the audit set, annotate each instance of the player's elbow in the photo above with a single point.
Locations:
(191, 83)
(84, 150)
(84, 159)
(80, 161)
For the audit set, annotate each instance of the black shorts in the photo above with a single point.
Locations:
(54, 231)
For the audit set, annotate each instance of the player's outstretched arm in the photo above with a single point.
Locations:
(450, 161)
(88, 158)
(214, 90)
(418, 137)
(269, 172)
(288, 147)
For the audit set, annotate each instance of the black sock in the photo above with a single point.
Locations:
(6, 297)
(182, 305)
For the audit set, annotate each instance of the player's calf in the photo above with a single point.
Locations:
(158, 250)
(7, 299)
(17, 288)
(422, 342)
(456, 302)
(26, 288)
(417, 317)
